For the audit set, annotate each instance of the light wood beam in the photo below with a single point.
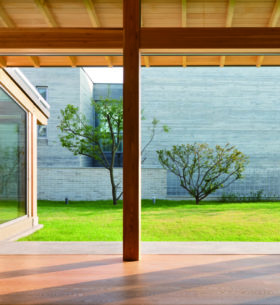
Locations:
(222, 61)
(109, 61)
(95, 22)
(5, 18)
(147, 61)
(184, 13)
(9, 23)
(146, 58)
(275, 14)
(259, 61)
(32, 167)
(274, 18)
(73, 61)
(184, 24)
(50, 20)
(230, 13)
(184, 61)
(229, 18)
(45, 11)
(131, 131)
(35, 61)
(92, 13)
(3, 61)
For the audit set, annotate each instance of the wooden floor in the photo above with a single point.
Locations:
(157, 279)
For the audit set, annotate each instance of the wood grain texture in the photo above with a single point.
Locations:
(132, 128)
(60, 38)
(220, 38)
(272, 23)
(157, 279)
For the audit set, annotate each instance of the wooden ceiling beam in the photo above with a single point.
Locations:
(60, 38)
(184, 13)
(275, 14)
(5, 18)
(274, 18)
(45, 11)
(185, 63)
(230, 13)
(184, 24)
(8, 23)
(95, 22)
(50, 20)
(229, 18)
(222, 61)
(147, 61)
(3, 61)
(109, 61)
(146, 58)
(259, 61)
(73, 61)
(35, 61)
(210, 38)
(83, 40)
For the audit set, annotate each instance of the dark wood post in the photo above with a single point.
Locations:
(132, 129)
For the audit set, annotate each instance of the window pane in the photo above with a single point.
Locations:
(43, 90)
(12, 159)
(42, 131)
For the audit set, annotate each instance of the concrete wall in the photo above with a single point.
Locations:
(236, 105)
(65, 86)
(93, 183)
(86, 89)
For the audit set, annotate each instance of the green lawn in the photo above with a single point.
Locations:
(164, 221)
(9, 210)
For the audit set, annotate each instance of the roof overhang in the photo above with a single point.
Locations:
(15, 83)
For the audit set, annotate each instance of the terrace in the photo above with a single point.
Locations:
(50, 33)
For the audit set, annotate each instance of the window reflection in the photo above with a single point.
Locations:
(12, 159)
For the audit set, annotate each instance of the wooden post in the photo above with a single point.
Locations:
(132, 129)
(32, 168)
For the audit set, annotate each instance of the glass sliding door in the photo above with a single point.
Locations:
(12, 159)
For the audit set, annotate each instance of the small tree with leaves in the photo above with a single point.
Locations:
(81, 138)
(203, 170)
(153, 129)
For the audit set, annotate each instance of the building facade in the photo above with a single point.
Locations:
(233, 105)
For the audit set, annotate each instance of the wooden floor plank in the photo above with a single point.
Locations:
(157, 279)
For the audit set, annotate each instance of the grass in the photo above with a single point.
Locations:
(9, 210)
(164, 221)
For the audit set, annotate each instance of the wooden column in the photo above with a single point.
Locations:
(132, 129)
(32, 167)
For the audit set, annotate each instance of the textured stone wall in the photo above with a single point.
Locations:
(65, 86)
(93, 183)
(236, 105)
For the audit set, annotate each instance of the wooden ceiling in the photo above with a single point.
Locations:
(155, 13)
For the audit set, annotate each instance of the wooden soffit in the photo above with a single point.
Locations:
(70, 32)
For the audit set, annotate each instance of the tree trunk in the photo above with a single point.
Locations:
(197, 200)
(114, 189)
